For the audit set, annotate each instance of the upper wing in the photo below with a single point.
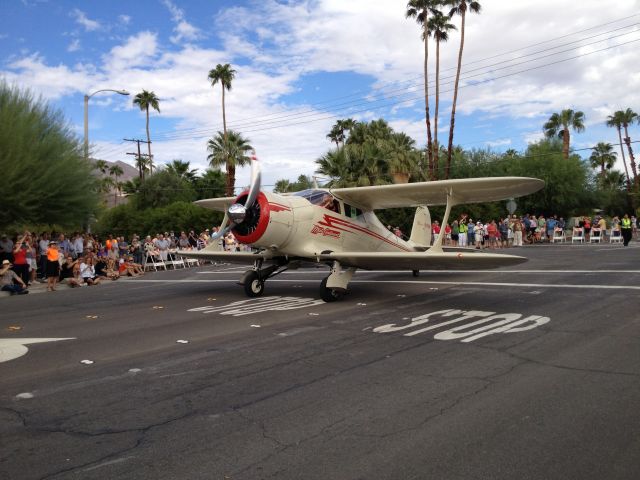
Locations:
(467, 190)
(220, 204)
(422, 260)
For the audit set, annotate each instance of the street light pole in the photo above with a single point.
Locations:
(86, 116)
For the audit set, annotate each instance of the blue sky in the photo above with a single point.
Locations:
(301, 65)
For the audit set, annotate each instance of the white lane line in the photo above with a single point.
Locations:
(324, 272)
(419, 282)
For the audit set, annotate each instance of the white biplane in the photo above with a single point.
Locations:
(338, 227)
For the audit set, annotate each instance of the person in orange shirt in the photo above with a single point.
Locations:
(53, 265)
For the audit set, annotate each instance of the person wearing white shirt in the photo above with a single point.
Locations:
(88, 272)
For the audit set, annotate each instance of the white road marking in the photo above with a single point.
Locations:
(519, 272)
(12, 348)
(419, 282)
(501, 323)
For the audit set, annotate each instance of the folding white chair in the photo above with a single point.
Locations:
(615, 236)
(558, 235)
(596, 235)
(154, 261)
(577, 235)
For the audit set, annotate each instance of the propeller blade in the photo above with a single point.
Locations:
(256, 178)
(223, 229)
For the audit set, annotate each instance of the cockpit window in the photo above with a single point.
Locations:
(322, 198)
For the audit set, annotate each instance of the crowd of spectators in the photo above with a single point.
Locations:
(87, 259)
(516, 231)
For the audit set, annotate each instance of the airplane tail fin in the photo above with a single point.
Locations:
(421, 230)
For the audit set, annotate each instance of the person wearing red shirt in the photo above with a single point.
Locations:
(20, 263)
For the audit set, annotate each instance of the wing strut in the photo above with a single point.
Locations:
(437, 245)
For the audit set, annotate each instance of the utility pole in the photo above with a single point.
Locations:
(139, 155)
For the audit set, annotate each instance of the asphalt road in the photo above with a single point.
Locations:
(524, 373)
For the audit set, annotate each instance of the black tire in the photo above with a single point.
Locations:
(253, 286)
(328, 294)
(416, 273)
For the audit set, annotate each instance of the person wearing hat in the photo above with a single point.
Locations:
(53, 265)
(8, 279)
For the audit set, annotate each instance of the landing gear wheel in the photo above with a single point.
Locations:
(253, 286)
(416, 273)
(329, 294)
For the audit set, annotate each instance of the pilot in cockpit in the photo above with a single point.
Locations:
(328, 202)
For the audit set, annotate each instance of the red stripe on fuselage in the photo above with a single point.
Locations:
(335, 222)
(277, 207)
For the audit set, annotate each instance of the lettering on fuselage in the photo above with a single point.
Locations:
(325, 232)
(468, 325)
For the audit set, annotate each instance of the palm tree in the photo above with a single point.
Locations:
(602, 157)
(439, 27)
(616, 122)
(231, 150)
(560, 123)
(459, 7)
(628, 117)
(336, 135)
(102, 166)
(146, 100)
(225, 75)
(282, 186)
(181, 169)
(420, 9)
(116, 171)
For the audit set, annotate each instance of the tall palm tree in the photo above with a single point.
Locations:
(116, 172)
(602, 157)
(225, 75)
(616, 121)
(439, 26)
(560, 123)
(459, 7)
(182, 170)
(420, 10)
(102, 166)
(146, 100)
(231, 150)
(628, 117)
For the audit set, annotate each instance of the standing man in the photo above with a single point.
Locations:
(625, 227)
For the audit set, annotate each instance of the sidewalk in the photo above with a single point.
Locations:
(36, 287)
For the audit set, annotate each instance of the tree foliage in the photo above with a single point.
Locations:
(45, 178)
(128, 219)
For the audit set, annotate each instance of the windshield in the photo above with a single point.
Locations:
(322, 198)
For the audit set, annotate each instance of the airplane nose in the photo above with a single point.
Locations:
(237, 213)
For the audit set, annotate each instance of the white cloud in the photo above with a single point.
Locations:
(81, 18)
(273, 45)
(124, 19)
(74, 46)
(184, 30)
(137, 51)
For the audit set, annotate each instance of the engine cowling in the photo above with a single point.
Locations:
(267, 223)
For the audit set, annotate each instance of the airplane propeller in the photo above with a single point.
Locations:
(237, 213)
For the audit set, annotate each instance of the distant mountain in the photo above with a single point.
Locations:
(113, 198)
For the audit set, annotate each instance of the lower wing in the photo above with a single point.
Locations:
(422, 260)
(228, 257)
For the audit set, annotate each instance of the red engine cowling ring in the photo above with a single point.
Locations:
(263, 220)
